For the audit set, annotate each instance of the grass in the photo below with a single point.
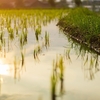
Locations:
(84, 25)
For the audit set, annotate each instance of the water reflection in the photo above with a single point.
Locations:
(1, 81)
(4, 68)
(90, 60)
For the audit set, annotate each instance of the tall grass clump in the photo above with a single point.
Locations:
(83, 24)
(0, 83)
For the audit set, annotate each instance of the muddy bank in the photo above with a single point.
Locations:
(75, 34)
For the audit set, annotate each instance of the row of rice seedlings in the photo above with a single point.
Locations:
(39, 48)
(9, 20)
(57, 76)
(61, 74)
(24, 19)
(15, 25)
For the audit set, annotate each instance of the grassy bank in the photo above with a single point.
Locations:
(84, 26)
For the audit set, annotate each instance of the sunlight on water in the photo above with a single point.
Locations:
(4, 68)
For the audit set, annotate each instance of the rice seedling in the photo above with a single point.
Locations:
(37, 33)
(46, 39)
(22, 59)
(24, 37)
(53, 86)
(21, 40)
(61, 75)
(16, 31)
(54, 81)
(57, 76)
(4, 48)
(22, 56)
(67, 55)
(36, 52)
(1, 36)
(11, 34)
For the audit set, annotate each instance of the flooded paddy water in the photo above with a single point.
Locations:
(39, 62)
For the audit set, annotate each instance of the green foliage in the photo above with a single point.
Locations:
(84, 24)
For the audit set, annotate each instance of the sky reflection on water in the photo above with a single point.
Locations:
(4, 68)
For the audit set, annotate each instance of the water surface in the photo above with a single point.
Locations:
(32, 82)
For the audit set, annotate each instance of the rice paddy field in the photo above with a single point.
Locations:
(39, 62)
